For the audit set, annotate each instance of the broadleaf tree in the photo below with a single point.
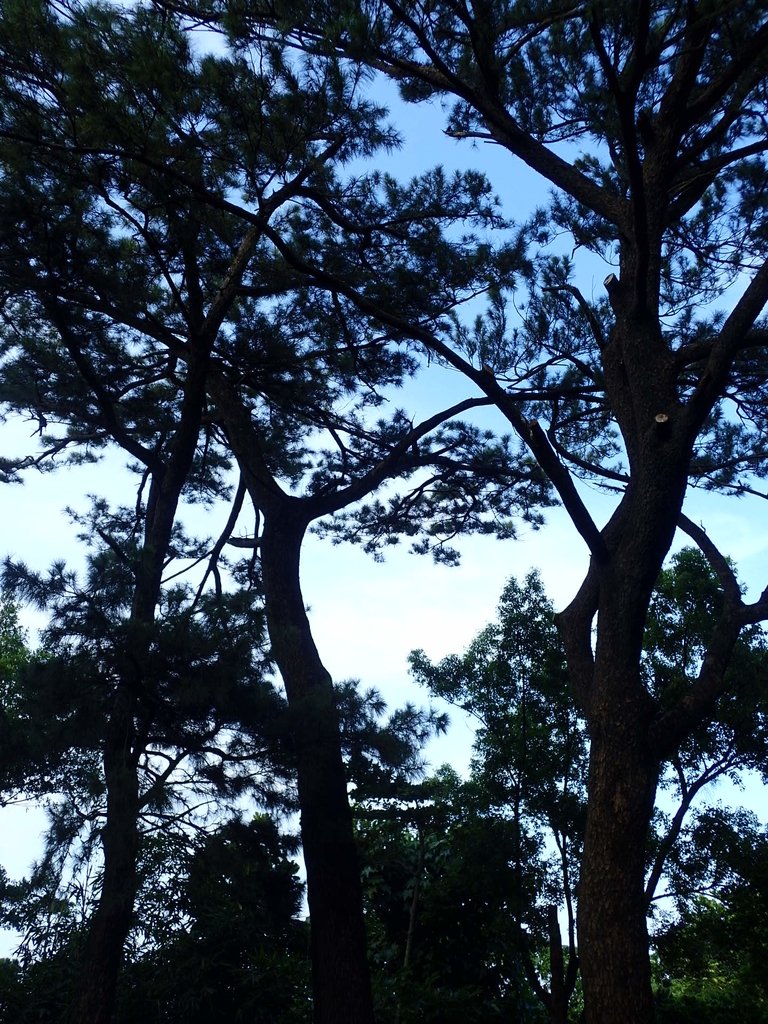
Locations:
(709, 962)
(443, 892)
(527, 774)
(530, 755)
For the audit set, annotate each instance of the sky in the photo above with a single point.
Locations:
(367, 617)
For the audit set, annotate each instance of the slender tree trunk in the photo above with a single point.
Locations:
(340, 975)
(103, 951)
(557, 1007)
(94, 999)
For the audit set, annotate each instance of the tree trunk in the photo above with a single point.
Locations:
(94, 999)
(103, 951)
(613, 935)
(340, 976)
(559, 992)
(623, 767)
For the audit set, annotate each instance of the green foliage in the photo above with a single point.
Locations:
(530, 749)
(237, 948)
(227, 938)
(529, 768)
(382, 753)
(205, 673)
(687, 598)
(233, 169)
(14, 651)
(216, 907)
(15, 657)
(210, 732)
(710, 965)
(441, 887)
(187, 240)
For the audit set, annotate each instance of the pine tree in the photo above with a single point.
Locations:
(648, 121)
(149, 195)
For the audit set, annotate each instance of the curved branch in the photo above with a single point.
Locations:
(575, 626)
(502, 126)
(530, 432)
(224, 539)
(586, 309)
(716, 559)
(672, 835)
(731, 339)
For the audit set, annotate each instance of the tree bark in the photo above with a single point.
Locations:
(340, 974)
(94, 999)
(624, 764)
(103, 950)
(613, 936)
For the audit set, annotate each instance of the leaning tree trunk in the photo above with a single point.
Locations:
(340, 975)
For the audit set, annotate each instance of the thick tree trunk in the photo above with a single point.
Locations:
(613, 936)
(623, 769)
(623, 776)
(103, 951)
(340, 976)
